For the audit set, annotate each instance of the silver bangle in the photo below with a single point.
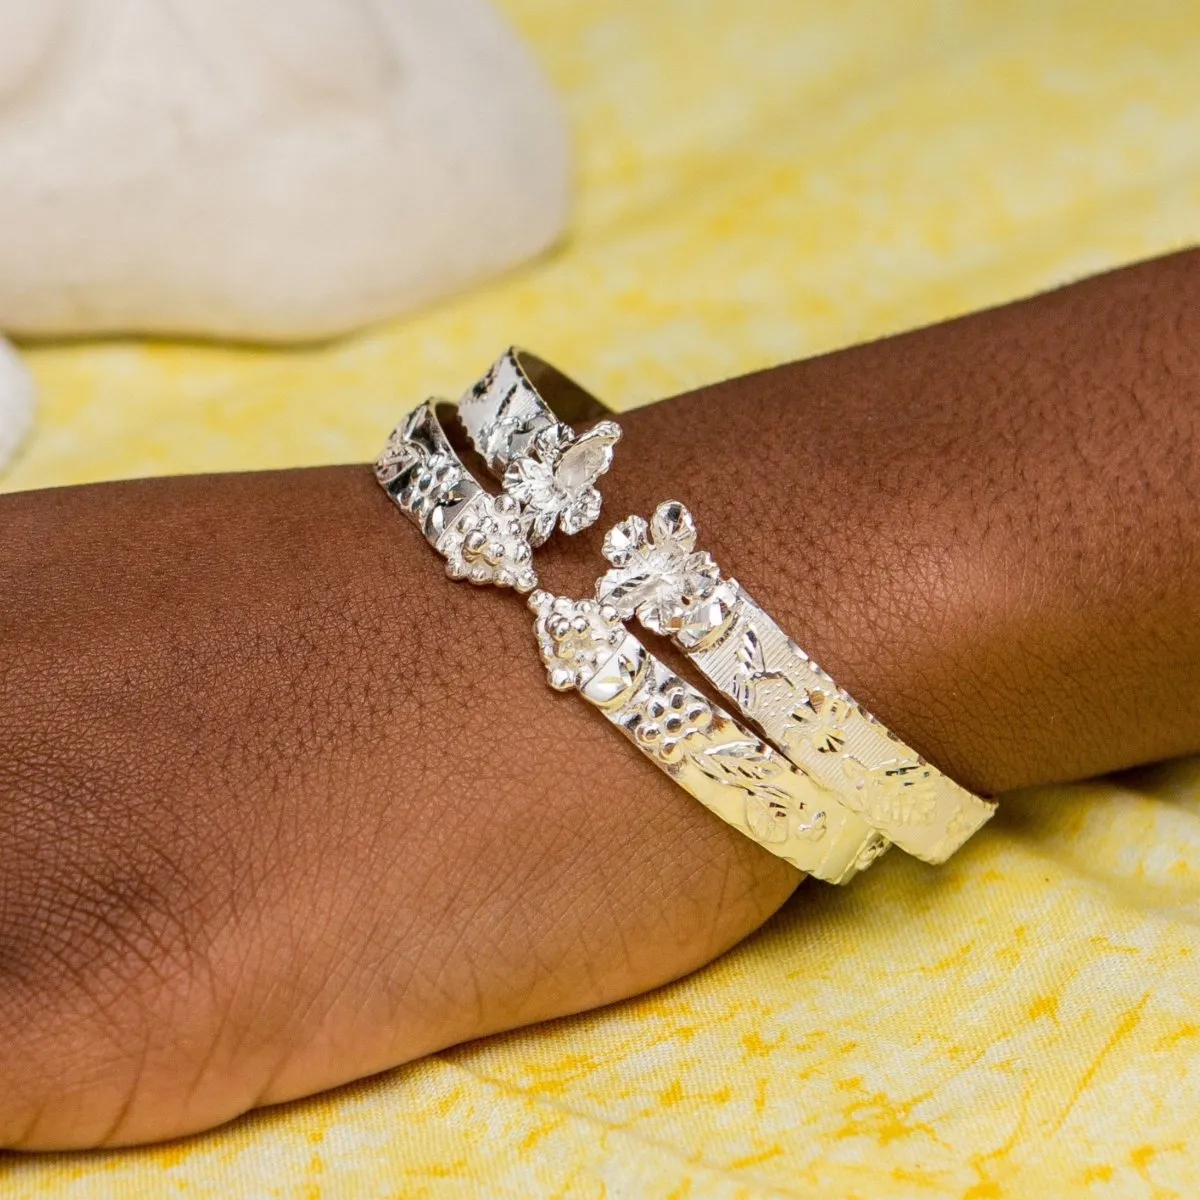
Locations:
(482, 537)
(542, 462)
(658, 575)
(584, 645)
(736, 775)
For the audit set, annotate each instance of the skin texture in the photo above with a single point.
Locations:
(284, 806)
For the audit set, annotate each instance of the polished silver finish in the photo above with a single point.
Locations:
(675, 590)
(543, 463)
(732, 772)
(585, 647)
(660, 577)
(482, 537)
(516, 417)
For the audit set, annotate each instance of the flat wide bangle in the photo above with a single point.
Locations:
(708, 753)
(731, 771)
(658, 575)
(675, 590)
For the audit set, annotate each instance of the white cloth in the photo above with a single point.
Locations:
(16, 401)
(275, 170)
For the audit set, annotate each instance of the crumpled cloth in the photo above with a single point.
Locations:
(762, 181)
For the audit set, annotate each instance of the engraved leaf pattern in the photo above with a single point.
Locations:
(746, 760)
(771, 820)
(751, 670)
(747, 765)
(766, 820)
(396, 457)
(497, 437)
(399, 455)
(812, 830)
(899, 792)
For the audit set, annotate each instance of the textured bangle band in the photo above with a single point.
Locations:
(482, 537)
(544, 464)
(677, 591)
(729, 769)
(658, 575)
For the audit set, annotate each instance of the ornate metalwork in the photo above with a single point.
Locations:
(556, 481)
(834, 789)
(670, 587)
(657, 571)
(544, 464)
(482, 537)
(707, 752)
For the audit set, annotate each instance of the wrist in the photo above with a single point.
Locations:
(867, 595)
(989, 547)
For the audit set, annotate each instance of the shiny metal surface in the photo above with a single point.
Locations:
(658, 576)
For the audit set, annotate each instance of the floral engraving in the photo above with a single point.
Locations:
(770, 811)
(496, 438)
(657, 571)
(772, 822)
(767, 820)
(899, 792)
(819, 719)
(813, 829)
(744, 764)
(398, 456)
(555, 482)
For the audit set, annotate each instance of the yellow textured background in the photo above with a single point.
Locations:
(761, 180)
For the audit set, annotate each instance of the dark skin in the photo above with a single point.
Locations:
(283, 806)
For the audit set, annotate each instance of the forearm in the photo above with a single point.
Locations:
(284, 807)
(280, 793)
(988, 530)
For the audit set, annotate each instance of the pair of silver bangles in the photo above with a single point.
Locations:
(806, 772)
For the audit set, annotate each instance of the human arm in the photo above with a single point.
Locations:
(284, 806)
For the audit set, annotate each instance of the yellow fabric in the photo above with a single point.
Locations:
(762, 180)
